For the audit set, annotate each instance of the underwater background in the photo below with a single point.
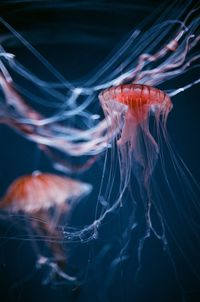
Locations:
(76, 37)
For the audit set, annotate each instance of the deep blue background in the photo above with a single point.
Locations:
(88, 32)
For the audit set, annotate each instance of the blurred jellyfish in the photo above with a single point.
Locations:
(45, 198)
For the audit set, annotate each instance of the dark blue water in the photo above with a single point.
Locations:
(76, 37)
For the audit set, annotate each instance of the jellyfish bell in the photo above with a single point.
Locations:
(42, 191)
(141, 100)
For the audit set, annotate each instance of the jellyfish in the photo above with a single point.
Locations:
(136, 144)
(44, 198)
(141, 101)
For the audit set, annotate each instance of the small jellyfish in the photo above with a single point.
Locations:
(45, 197)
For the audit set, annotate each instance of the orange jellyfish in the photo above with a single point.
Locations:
(138, 103)
(139, 142)
(44, 197)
